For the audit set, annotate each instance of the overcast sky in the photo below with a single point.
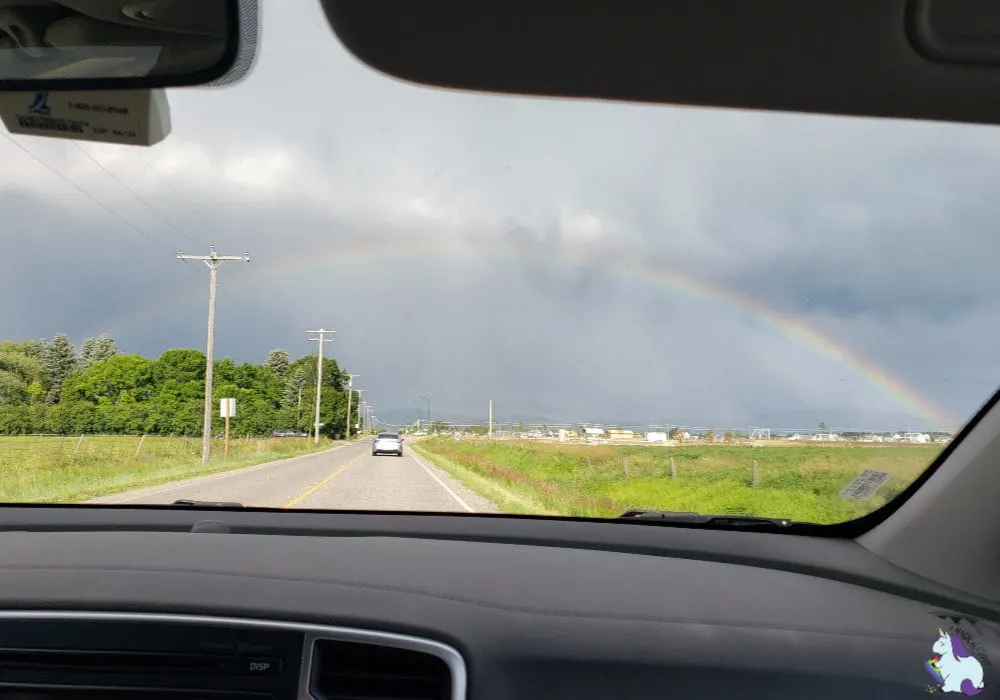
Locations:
(570, 260)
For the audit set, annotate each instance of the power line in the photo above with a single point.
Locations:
(84, 192)
(213, 260)
(319, 375)
(166, 181)
(205, 219)
(134, 193)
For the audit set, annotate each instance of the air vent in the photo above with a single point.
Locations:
(113, 661)
(355, 671)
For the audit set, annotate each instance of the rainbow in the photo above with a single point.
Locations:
(356, 250)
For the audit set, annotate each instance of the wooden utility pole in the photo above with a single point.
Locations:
(319, 376)
(350, 389)
(213, 260)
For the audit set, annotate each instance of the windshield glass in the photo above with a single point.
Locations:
(599, 307)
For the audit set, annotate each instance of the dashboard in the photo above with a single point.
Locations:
(62, 655)
(102, 603)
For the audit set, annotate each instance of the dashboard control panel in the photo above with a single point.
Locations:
(122, 656)
(60, 659)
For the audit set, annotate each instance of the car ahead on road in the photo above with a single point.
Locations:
(387, 443)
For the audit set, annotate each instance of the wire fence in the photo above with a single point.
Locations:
(57, 448)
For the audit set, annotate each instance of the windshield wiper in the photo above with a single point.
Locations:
(720, 521)
(207, 504)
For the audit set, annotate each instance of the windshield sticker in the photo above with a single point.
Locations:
(956, 664)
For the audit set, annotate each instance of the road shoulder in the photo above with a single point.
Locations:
(133, 495)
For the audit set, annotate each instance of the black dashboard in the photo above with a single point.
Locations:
(62, 655)
(276, 606)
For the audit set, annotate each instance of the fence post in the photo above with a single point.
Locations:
(625, 465)
(673, 469)
(78, 443)
(139, 447)
(753, 474)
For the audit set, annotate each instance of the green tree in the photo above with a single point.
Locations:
(97, 349)
(59, 359)
(20, 377)
(292, 397)
(278, 360)
(110, 379)
(44, 387)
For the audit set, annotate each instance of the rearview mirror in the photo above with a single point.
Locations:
(118, 45)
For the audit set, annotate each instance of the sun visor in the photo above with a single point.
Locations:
(959, 31)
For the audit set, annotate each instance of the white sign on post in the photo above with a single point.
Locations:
(227, 408)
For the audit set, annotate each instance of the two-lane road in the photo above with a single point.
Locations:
(346, 477)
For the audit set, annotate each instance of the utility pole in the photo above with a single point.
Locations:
(428, 411)
(319, 376)
(350, 389)
(491, 420)
(213, 260)
(361, 410)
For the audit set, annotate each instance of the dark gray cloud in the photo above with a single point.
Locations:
(470, 247)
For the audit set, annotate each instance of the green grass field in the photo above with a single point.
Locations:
(798, 482)
(70, 469)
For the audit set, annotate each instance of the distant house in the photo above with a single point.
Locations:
(620, 434)
(567, 435)
(656, 437)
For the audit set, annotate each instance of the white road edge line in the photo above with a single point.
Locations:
(443, 485)
(199, 480)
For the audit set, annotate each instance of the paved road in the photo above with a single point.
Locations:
(345, 477)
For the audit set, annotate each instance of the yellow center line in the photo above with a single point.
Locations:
(317, 486)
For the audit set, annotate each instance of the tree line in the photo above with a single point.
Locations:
(51, 386)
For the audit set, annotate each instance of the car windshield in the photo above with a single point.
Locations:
(600, 306)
